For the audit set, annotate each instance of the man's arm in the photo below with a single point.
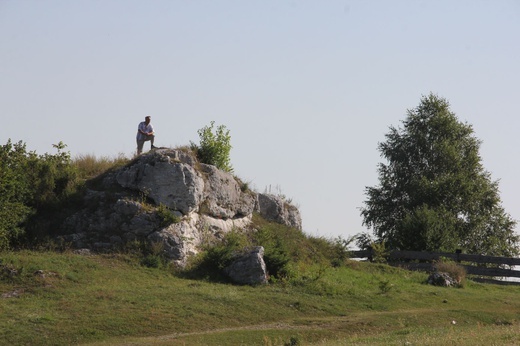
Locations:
(141, 128)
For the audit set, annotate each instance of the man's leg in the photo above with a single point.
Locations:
(140, 145)
(151, 138)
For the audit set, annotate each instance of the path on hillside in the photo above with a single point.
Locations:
(358, 322)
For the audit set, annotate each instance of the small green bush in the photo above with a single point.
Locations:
(216, 256)
(385, 286)
(214, 147)
(277, 252)
(166, 215)
(380, 252)
(277, 260)
(147, 254)
(152, 261)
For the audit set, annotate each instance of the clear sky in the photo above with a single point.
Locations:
(306, 88)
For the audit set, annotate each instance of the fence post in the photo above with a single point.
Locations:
(458, 252)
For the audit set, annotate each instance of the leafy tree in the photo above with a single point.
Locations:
(29, 182)
(15, 191)
(433, 192)
(214, 147)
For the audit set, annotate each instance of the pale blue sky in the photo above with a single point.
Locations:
(306, 88)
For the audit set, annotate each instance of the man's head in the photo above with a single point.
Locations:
(147, 119)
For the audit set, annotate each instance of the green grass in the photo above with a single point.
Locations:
(112, 300)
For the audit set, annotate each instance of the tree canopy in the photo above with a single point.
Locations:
(434, 193)
(29, 182)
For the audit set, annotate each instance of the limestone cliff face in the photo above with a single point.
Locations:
(138, 202)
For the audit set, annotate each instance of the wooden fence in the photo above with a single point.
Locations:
(474, 264)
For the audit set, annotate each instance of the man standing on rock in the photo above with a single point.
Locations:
(145, 133)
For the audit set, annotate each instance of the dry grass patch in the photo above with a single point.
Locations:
(90, 166)
(454, 270)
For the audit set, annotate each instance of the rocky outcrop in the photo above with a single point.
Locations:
(248, 268)
(275, 208)
(167, 197)
(176, 180)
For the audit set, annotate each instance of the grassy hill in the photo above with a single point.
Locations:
(53, 298)
(316, 296)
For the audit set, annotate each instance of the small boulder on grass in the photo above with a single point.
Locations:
(249, 268)
(441, 279)
(447, 274)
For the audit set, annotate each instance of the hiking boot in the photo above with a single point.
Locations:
(153, 147)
